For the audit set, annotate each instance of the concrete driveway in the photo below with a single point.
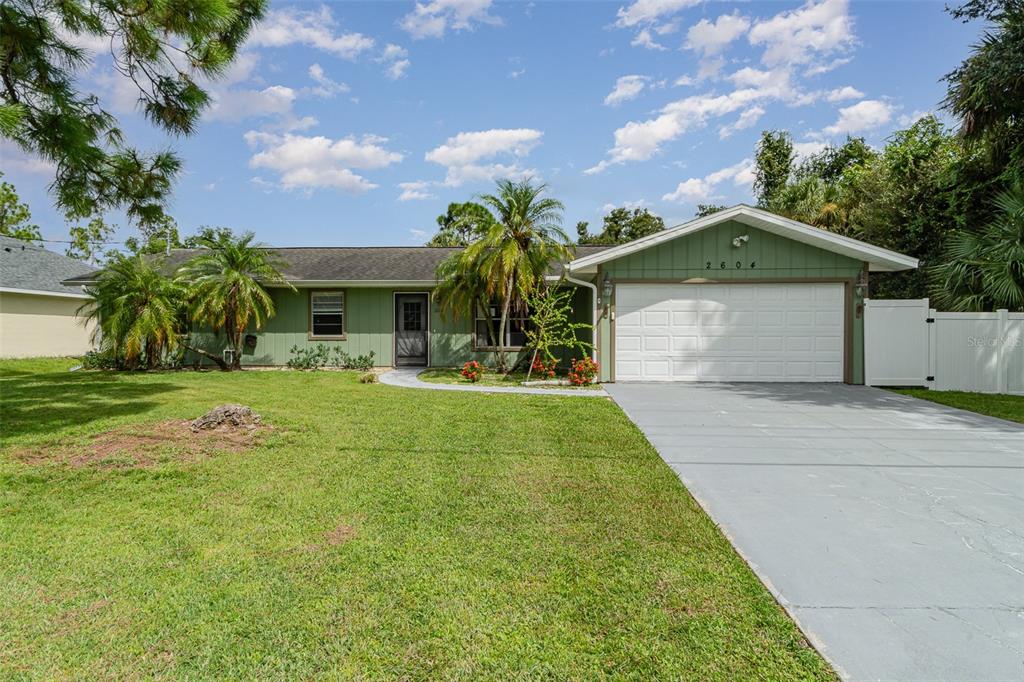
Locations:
(891, 529)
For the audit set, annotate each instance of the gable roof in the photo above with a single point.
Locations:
(878, 259)
(27, 268)
(358, 265)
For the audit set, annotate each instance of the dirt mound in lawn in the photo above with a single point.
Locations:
(140, 446)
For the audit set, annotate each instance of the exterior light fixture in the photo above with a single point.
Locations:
(606, 289)
(740, 241)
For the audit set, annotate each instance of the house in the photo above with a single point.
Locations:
(37, 312)
(740, 295)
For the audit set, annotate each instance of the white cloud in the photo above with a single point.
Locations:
(845, 92)
(395, 59)
(798, 36)
(646, 40)
(237, 105)
(432, 19)
(17, 161)
(462, 154)
(210, 186)
(517, 73)
(801, 150)
(326, 87)
(626, 88)
(684, 81)
(746, 119)
(290, 26)
(818, 69)
(640, 140)
(696, 190)
(311, 162)
(710, 38)
(910, 119)
(864, 115)
(693, 190)
(650, 11)
(417, 235)
(414, 191)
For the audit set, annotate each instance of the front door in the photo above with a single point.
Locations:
(411, 329)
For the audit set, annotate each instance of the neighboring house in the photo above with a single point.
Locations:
(740, 295)
(37, 312)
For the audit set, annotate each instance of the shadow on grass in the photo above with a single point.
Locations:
(37, 403)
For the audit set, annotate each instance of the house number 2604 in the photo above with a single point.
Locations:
(723, 265)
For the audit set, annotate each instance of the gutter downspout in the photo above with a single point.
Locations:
(594, 315)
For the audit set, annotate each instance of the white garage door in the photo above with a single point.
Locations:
(729, 332)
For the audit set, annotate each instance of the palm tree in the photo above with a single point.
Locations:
(136, 309)
(227, 286)
(985, 270)
(514, 255)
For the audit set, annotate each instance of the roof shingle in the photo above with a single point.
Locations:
(353, 263)
(23, 265)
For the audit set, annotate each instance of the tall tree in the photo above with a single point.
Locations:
(986, 92)
(515, 254)
(227, 286)
(985, 270)
(87, 240)
(136, 309)
(163, 47)
(623, 225)
(774, 164)
(15, 216)
(704, 210)
(462, 224)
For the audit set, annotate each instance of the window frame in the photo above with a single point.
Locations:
(524, 319)
(311, 334)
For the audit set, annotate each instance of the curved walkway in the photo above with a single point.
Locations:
(409, 378)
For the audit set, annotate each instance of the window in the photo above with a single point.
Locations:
(412, 316)
(515, 334)
(327, 314)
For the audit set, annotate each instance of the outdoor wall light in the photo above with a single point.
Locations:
(606, 288)
(740, 241)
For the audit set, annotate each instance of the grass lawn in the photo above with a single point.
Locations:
(376, 532)
(439, 375)
(1004, 406)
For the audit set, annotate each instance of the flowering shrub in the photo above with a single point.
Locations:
(583, 371)
(544, 369)
(473, 371)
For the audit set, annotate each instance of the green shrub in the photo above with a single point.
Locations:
(309, 358)
(320, 356)
(368, 378)
(102, 359)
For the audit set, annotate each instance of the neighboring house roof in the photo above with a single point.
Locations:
(358, 265)
(878, 259)
(27, 268)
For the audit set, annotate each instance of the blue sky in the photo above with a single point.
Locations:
(356, 123)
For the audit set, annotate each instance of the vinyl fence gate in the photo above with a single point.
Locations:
(907, 343)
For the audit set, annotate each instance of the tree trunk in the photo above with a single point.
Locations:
(206, 354)
(529, 369)
(505, 305)
(236, 357)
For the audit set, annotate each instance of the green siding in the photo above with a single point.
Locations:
(369, 325)
(764, 256)
(773, 257)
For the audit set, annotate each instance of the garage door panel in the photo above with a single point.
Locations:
(685, 344)
(735, 332)
(655, 343)
(684, 318)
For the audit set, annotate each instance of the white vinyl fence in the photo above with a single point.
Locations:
(906, 343)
